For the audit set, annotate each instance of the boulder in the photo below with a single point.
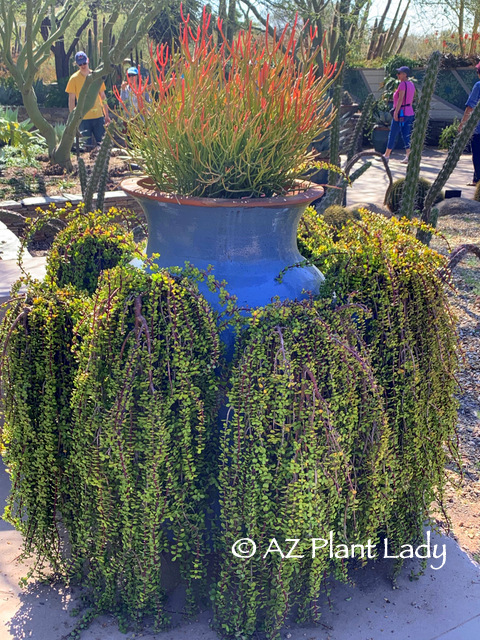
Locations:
(457, 206)
(374, 207)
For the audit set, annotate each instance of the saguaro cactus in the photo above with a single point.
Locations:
(407, 208)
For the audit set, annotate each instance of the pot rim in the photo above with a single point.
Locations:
(144, 187)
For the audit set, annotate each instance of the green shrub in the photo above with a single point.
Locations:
(9, 94)
(448, 135)
(19, 134)
(394, 199)
(56, 95)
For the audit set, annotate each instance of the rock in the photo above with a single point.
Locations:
(371, 206)
(11, 219)
(457, 206)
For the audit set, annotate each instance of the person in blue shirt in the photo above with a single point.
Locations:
(473, 98)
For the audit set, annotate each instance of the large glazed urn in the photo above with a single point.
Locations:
(248, 242)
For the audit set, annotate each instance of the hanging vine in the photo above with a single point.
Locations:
(341, 418)
(302, 454)
(145, 405)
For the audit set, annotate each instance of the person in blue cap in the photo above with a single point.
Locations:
(473, 98)
(403, 114)
(127, 95)
(94, 121)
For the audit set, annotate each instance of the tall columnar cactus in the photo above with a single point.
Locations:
(355, 141)
(407, 208)
(98, 177)
(449, 165)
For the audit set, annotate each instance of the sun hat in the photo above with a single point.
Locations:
(81, 57)
(404, 70)
(132, 71)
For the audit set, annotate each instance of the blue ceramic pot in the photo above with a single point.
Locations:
(248, 242)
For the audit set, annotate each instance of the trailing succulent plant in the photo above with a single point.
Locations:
(341, 415)
(302, 453)
(395, 195)
(90, 243)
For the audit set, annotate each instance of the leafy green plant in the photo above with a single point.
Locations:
(18, 134)
(297, 458)
(448, 135)
(17, 157)
(230, 121)
(400, 281)
(37, 370)
(144, 461)
(9, 94)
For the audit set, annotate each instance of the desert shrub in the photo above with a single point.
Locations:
(19, 144)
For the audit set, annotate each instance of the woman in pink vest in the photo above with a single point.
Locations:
(403, 115)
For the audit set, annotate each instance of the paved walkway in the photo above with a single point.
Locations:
(442, 604)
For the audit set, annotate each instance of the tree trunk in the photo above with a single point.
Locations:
(61, 60)
(44, 127)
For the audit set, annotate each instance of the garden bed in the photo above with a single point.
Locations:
(17, 183)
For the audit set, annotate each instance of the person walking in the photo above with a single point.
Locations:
(403, 114)
(94, 121)
(473, 98)
(127, 95)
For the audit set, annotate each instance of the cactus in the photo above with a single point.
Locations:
(477, 192)
(82, 174)
(337, 216)
(383, 43)
(98, 177)
(449, 165)
(102, 183)
(395, 196)
(407, 208)
(360, 125)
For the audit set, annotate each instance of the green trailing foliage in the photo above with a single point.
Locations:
(395, 196)
(412, 342)
(341, 417)
(302, 454)
(37, 372)
(90, 243)
(148, 361)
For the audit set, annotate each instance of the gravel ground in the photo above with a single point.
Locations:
(463, 500)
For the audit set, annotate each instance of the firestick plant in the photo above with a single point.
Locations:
(230, 120)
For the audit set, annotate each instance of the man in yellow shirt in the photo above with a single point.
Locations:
(94, 121)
